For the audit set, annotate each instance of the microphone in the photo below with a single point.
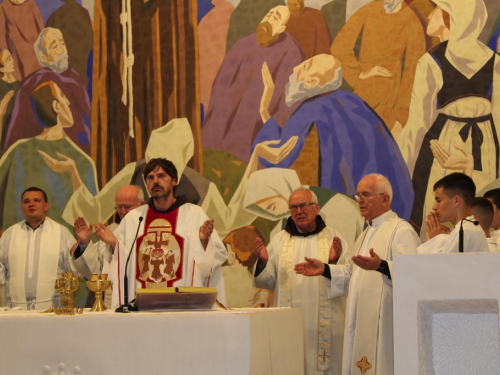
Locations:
(461, 233)
(125, 307)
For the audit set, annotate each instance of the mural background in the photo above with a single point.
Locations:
(205, 84)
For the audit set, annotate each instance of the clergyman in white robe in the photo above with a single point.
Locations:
(309, 294)
(31, 261)
(200, 267)
(369, 295)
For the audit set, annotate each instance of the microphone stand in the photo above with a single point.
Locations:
(125, 308)
(461, 234)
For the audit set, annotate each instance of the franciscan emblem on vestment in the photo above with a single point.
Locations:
(159, 255)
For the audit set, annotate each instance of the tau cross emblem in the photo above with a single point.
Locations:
(364, 365)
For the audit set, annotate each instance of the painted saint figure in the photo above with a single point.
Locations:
(454, 112)
(354, 141)
(391, 30)
(232, 119)
(50, 159)
(53, 55)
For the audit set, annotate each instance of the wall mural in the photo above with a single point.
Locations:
(251, 99)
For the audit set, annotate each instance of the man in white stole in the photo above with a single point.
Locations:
(453, 196)
(368, 336)
(306, 235)
(33, 254)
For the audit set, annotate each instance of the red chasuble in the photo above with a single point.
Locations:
(160, 251)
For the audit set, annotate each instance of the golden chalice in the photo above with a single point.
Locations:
(98, 283)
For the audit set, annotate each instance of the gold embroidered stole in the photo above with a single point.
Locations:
(47, 265)
(370, 296)
(324, 308)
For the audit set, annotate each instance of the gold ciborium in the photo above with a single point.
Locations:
(98, 283)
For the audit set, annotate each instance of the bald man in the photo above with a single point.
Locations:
(91, 258)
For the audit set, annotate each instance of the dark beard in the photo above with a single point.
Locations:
(161, 194)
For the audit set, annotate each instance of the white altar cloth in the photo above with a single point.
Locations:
(237, 341)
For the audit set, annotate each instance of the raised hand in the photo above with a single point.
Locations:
(267, 95)
(83, 231)
(206, 231)
(335, 251)
(260, 250)
(105, 235)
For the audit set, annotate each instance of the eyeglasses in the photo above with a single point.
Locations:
(126, 207)
(302, 206)
(365, 195)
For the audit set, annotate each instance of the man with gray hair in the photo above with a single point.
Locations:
(53, 56)
(306, 235)
(353, 140)
(369, 294)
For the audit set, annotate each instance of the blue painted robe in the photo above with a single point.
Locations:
(353, 140)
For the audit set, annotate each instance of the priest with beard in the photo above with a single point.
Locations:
(232, 119)
(53, 56)
(353, 139)
(167, 225)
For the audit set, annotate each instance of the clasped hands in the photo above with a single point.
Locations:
(433, 226)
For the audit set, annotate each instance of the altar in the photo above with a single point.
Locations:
(237, 341)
